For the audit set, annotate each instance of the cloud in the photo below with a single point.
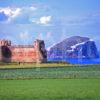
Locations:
(10, 12)
(28, 14)
(34, 15)
(17, 15)
(45, 20)
(16, 12)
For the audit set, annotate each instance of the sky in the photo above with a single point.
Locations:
(23, 21)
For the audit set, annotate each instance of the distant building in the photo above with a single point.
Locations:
(23, 53)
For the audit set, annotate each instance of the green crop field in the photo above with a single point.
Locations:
(50, 89)
(66, 82)
(84, 71)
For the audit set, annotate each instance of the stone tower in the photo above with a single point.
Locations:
(40, 51)
(4, 50)
(5, 43)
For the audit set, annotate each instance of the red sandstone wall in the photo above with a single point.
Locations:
(23, 54)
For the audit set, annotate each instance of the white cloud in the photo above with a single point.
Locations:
(11, 12)
(16, 12)
(7, 10)
(45, 20)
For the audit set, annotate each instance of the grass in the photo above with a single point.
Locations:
(32, 65)
(39, 65)
(49, 82)
(50, 89)
(65, 72)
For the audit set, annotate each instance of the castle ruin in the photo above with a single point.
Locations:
(23, 53)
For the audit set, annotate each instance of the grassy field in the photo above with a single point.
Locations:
(51, 72)
(50, 89)
(32, 65)
(49, 82)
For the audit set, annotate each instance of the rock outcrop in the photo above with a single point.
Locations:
(74, 47)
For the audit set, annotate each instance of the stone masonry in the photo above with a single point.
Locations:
(23, 53)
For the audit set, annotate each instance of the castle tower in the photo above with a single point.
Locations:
(0, 53)
(3, 48)
(5, 43)
(40, 51)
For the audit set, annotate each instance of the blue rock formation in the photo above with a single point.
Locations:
(74, 47)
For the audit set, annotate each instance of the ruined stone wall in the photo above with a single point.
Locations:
(23, 53)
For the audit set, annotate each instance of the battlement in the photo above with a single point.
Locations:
(5, 42)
